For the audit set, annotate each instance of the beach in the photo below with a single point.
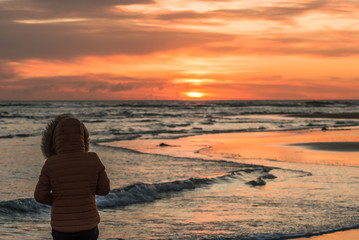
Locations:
(342, 235)
(212, 120)
(339, 147)
(312, 147)
(333, 147)
(196, 170)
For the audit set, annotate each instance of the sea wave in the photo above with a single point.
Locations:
(131, 194)
(173, 119)
(22, 206)
(19, 135)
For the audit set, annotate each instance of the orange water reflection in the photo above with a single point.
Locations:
(277, 146)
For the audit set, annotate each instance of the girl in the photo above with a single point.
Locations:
(69, 180)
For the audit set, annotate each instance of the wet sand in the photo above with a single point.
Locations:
(342, 235)
(330, 146)
(333, 147)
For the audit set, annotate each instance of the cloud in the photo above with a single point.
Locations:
(66, 41)
(6, 72)
(280, 87)
(324, 43)
(88, 83)
(271, 13)
(281, 12)
(42, 9)
(119, 87)
(94, 28)
(90, 87)
(110, 86)
(136, 48)
(328, 43)
(184, 15)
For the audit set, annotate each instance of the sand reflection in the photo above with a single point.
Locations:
(336, 147)
(333, 147)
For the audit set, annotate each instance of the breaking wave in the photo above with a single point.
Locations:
(132, 194)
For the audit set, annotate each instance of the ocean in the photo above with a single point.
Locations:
(162, 190)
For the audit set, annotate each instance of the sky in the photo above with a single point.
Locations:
(179, 49)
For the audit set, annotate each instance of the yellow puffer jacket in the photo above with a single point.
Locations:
(71, 176)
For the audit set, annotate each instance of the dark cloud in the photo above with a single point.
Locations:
(100, 35)
(49, 83)
(42, 9)
(184, 15)
(327, 43)
(89, 3)
(89, 83)
(124, 87)
(98, 87)
(330, 43)
(65, 41)
(91, 36)
(6, 72)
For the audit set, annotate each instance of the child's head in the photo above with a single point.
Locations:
(64, 134)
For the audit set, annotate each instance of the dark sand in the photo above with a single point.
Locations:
(327, 115)
(330, 146)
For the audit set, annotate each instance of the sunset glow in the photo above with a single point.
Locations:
(153, 50)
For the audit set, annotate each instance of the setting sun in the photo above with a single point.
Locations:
(194, 94)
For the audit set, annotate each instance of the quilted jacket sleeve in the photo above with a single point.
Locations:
(43, 188)
(103, 183)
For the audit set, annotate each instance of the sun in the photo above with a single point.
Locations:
(194, 94)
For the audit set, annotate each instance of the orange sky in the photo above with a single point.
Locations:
(178, 49)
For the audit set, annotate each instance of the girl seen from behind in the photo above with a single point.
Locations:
(70, 179)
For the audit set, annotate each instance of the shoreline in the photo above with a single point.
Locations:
(306, 148)
(303, 146)
(350, 234)
(274, 145)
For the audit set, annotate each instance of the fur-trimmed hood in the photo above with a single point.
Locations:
(64, 134)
